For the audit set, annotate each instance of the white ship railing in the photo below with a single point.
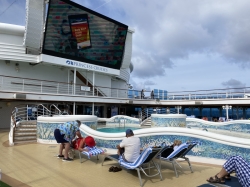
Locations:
(26, 85)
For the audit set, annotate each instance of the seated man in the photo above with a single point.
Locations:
(129, 148)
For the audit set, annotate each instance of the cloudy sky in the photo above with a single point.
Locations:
(178, 45)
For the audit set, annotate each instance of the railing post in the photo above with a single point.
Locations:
(57, 87)
(117, 93)
(27, 116)
(23, 85)
(15, 112)
(1, 83)
(41, 86)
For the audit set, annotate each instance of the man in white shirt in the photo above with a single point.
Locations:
(129, 148)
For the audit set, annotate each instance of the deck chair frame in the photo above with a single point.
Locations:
(179, 153)
(149, 162)
(87, 155)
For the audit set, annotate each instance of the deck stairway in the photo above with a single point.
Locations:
(25, 132)
(24, 121)
(146, 122)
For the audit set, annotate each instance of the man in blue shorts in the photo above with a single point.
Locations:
(64, 134)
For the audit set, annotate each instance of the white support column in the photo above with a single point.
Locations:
(93, 104)
(74, 108)
(227, 112)
(93, 109)
(93, 83)
(27, 108)
(87, 78)
(74, 81)
(68, 80)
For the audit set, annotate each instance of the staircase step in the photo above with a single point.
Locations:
(18, 134)
(25, 138)
(25, 129)
(24, 141)
(33, 122)
(26, 126)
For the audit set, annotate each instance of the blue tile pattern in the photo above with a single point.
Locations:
(233, 127)
(45, 131)
(116, 120)
(205, 148)
(168, 122)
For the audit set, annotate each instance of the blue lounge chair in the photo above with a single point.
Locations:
(180, 152)
(146, 157)
(93, 151)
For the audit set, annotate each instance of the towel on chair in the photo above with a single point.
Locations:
(92, 151)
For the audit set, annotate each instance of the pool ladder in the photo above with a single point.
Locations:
(124, 122)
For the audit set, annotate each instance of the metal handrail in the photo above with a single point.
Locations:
(59, 111)
(27, 85)
(49, 112)
(21, 113)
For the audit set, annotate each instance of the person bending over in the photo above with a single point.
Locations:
(64, 134)
(129, 148)
(237, 164)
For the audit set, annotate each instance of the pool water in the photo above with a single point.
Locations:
(116, 129)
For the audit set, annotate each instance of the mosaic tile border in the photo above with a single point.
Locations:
(45, 131)
(123, 120)
(233, 127)
(168, 122)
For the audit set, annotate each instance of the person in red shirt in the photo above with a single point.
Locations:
(81, 143)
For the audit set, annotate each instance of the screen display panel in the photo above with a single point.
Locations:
(78, 33)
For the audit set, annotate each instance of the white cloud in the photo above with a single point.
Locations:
(177, 44)
(166, 30)
(232, 83)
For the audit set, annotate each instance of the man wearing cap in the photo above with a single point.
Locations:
(129, 148)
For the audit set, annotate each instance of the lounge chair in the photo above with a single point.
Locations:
(143, 162)
(179, 153)
(93, 151)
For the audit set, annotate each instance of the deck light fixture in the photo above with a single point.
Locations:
(227, 107)
(17, 67)
(178, 109)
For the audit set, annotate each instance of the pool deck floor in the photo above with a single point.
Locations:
(35, 165)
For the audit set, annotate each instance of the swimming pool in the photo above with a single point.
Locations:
(116, 129)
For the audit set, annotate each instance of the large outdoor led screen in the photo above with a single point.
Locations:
(78, 33)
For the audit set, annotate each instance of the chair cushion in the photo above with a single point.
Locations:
(179, 149)
(93, 151)
(143, 156)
